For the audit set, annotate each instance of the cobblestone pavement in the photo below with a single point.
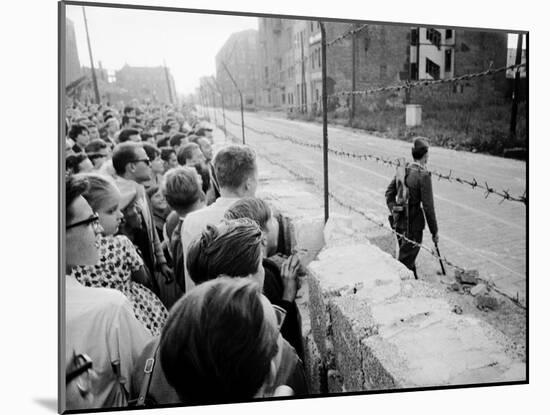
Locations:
(486, 234)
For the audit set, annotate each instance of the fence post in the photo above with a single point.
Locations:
(240, 95)
(353, 75)
(223, 103)
(515, 95)
(325, 130)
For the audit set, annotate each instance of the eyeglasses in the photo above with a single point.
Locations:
(280, 314)
(146, 161)
(94, 220)
(82, 364)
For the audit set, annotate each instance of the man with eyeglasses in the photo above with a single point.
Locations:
(133, 168)
(101, 331)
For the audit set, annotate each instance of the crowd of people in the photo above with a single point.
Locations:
(175, 288)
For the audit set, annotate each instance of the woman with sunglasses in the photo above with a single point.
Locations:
(231, 249)
(119, 266)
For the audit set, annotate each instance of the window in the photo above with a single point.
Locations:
(448, 34)
(283, 98)
(312, 26)
(448, 60)
(432, 69)
(265, 74)
(414, 38)
(434, 37)
(319, 57)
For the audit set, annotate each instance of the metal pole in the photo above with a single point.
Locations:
(353, 47)
(94, 79)
(207, 104)
(223, 102)
(515, 94)
(325, 131)
(213, 104)
(241, 97)
(303, 86)
(417, 55)
(223, 106)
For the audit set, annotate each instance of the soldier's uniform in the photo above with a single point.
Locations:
(420, 204)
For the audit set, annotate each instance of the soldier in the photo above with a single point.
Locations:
(418, 202)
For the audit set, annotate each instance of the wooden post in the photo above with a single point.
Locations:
(515, 94)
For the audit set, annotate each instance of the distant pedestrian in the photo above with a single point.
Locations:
(408, 219)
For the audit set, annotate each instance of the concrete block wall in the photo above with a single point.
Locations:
(367, 324)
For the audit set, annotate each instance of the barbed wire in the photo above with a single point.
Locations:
(393, 162)
(329, 44)
(378, 223)
(364, 214)
(346, 35)
(405, 85)
(430, 82)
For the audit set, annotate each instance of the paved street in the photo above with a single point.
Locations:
(481, 233)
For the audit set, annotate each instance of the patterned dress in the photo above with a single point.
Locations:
(118, 258)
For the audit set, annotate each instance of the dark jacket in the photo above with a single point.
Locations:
(291, 329)
(421, 201)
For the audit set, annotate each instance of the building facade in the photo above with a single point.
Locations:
(289, 59)
(147, 83)
(238, 58)
(72, 62)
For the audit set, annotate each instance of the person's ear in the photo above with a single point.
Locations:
(248, 183)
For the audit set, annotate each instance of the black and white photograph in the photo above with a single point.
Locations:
(265, 207)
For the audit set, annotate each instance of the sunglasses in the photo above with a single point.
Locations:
(82, 363)
(280, 314)
(146, 161)
(94, 219)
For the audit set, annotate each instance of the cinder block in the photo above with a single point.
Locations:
(376, 373)
(383, 238)
(334, 382)
(314, 368)
(318, 312)
(351, 322)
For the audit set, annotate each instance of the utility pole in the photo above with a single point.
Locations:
(515, 95)
(168, 83)
(94, 79)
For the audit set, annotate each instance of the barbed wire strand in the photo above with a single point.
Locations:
(409, 85)
(382, 225)
(430, 82)
(473, 183)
